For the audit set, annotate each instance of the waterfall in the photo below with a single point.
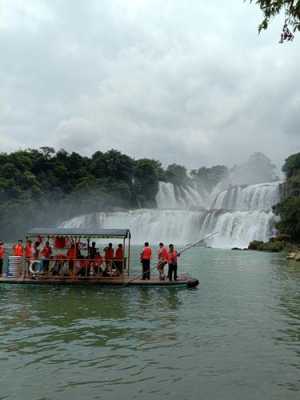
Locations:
(190, 196)
(179, 226)
(254, 197)
(239, 214)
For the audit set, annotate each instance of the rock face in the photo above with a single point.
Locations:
(294, 256)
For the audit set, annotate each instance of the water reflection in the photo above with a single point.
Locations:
(43, 316)
(235, 337)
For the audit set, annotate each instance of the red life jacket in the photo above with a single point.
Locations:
(2, 251)
(109, 253)
(28, 251)
(172, 257)
(72, 253)
(163, 254)
(98, 260)
(18, 250)
(46, 252)
(119, 254)
(146, 253)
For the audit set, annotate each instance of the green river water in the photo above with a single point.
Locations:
(235, 337)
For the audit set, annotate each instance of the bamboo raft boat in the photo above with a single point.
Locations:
(21, 270)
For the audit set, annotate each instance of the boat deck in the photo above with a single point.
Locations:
(183, 280)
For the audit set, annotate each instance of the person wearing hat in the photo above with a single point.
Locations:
(2, 255)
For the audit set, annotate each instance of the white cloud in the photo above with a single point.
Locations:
(186, 82)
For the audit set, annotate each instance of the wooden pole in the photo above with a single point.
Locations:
(128, 268)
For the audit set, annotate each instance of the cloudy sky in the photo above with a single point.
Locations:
(180, 81)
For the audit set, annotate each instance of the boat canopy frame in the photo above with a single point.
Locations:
(80, 232)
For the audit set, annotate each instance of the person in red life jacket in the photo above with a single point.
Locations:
(109, 256)
(60, 242)
(57, 242)
(119, 258)
(2, 256)
(28, 249)
(18, 249)
(172, 262)
(146, 256)
(162, 260)
(46, 254)
(71, 254)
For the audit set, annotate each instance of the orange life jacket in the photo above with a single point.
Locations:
(172, 257)
(28, 251)
(109, 253)
(119, 254)
(146, 253)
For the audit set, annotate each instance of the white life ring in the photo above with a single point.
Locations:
(34, 266)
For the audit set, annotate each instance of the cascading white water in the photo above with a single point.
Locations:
(183, 197)
(155, 225)
(184, 214)
(254, 197)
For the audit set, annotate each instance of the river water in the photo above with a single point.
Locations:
(236, 336)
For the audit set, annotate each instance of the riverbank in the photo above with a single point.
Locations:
(278, 244)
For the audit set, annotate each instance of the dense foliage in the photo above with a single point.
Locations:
(271, 8)
(210, 176)
(43, 187)
(289, 207)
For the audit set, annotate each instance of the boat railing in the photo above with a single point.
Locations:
(64, 266)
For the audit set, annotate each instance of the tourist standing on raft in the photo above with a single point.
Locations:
(172, 262)
(119, 258)
(2, 255)
(46, 253)
(162, 260)
(146, 255)
(109, 256)
(18, 250)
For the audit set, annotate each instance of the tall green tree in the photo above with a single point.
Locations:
(289, 207)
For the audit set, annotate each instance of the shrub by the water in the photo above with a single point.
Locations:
(273, 245)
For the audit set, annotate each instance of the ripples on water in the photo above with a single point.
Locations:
(236, 336)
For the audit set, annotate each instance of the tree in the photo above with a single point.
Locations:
(176, 174)
(146, 181)
(209, 177)
(289, 211)
(271, 8)
(291, 166)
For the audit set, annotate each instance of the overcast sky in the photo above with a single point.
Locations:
(180, 81)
